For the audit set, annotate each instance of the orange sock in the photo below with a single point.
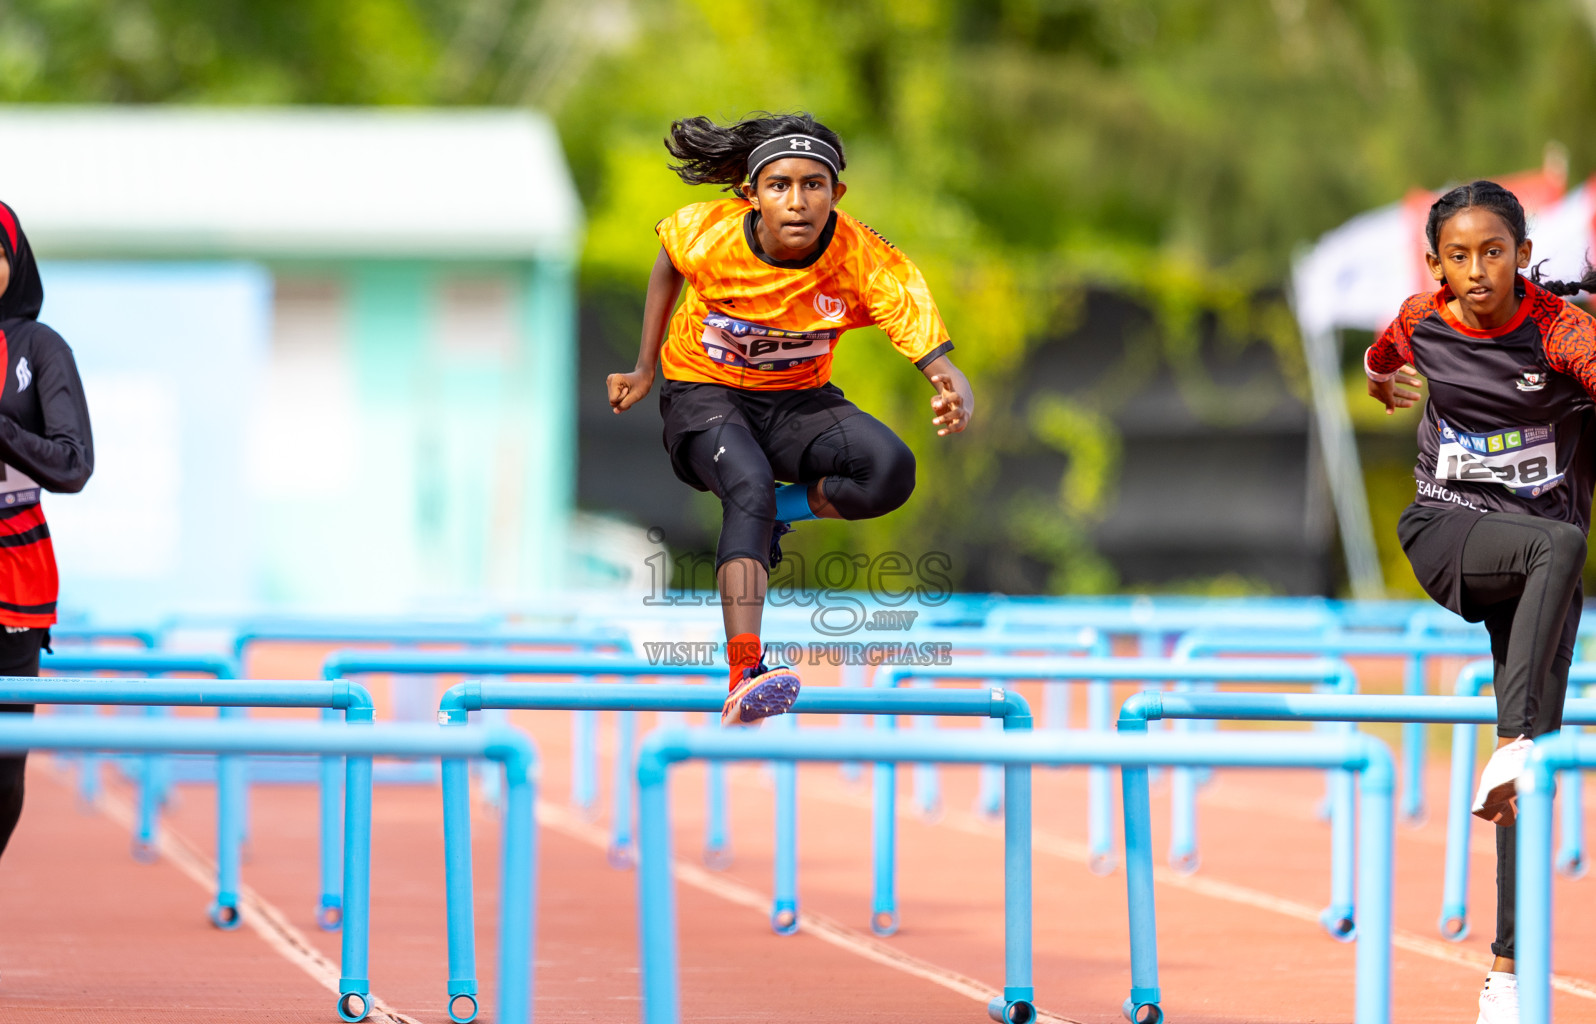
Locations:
(742, 651)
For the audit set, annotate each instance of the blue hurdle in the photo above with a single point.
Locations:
(1055, 710)
(147, 661)
(1016, 1005)
(489, 632)
(1338, 919)
(587, 667)
(1532, 944)
(1474, 678)
(358, 746)
(1008, 707)
(1323, 672)
(231, 697)
(82, 633)
(1415, 648)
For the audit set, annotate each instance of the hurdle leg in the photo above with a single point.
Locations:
(149, 809)
(1017, 1004)
(89, 771)
(354, 982)
(1182, 807)
(1454, 923)
(1373, 956)
(1413, 745)
(224, 912)
(927, 785)
(656, 899)
(584, 757)
(851, 675)
(458, 889)
(518, 892)
(884, 843)
(1340, 917)
(1532, 925)
(1099, 791)
(621, 854)
(989, 798)
(717, 844)
(1143, 1005)
(1571, 848)
(330, 907)
(784, 908)
(489, 775)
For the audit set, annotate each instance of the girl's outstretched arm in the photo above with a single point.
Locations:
(953, 403)
(664, 286)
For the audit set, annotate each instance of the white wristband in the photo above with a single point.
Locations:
(1378, 378)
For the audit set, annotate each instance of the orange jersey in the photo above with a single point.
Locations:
(749, 321)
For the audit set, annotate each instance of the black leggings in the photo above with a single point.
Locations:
(1524, 573)
(869, 472)
(19, 656)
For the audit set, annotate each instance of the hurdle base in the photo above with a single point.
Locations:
(354, 999)
(1005, 1010)
(224, 913)
(330, 915)
(1340, 923)
(1143, 1009)
(1454, 925)
(1572, 865)
(465, 991)
(784, 917)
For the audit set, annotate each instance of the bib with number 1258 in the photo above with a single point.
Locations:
(1522, 459)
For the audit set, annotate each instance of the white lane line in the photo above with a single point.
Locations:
(1069, 849)
(827, 930)
(259, 914)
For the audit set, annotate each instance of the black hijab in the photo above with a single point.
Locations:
(25, 296)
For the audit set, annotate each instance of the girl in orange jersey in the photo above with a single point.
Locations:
(774, 277)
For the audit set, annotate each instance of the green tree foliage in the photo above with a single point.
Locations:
(1019, 150)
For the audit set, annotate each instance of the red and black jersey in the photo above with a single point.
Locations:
(45, 440)
(1509, 425)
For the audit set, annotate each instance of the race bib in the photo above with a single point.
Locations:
(757, 347)
(16, 487)
(1523, 459)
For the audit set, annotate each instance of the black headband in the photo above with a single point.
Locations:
(794, 145)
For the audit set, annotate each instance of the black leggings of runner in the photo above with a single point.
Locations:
(869, 472)
(19, 656)
(1524, 573)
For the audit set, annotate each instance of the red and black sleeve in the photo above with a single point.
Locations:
(1393, 349)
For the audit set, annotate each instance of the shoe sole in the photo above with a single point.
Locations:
(1500, 806)
(770, 694)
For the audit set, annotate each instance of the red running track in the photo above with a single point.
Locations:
(86, 930)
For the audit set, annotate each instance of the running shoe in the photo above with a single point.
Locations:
(762, 693)
(1499, 999)
(1497, 798)
(780, 531)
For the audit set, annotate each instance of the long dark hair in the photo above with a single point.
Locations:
(713, 154)
(1488, 195)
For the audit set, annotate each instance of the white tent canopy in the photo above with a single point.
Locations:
(1357, 276)
(289, 182)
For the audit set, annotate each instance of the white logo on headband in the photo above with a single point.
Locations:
(804, 143)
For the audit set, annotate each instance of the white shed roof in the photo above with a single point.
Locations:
(288, 182)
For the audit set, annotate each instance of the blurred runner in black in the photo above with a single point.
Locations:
(1505, 472)
(44, 445)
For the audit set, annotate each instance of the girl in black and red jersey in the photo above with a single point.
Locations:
(44, 444)
(1507, 463)
(774, 277)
